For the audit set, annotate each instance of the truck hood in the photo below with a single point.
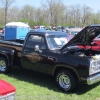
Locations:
(84, 37)
(6, 88)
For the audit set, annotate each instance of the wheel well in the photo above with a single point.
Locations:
(68, 69)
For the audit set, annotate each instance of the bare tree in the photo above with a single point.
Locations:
(96, 17)
(27, 12)
(55, 8)
(75, 14)
(52, 12)
(1, 17)
(13, 14)
(87, 12)
(6, 4)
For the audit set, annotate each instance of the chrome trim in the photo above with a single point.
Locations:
(13, 93)
(6, 97)
(93, 79)
(64, 81)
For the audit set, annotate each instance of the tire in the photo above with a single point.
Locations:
(3, 65)
(65, 81)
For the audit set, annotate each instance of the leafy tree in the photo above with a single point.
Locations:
(6, 5)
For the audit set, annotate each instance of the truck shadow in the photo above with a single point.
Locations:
(46, 81)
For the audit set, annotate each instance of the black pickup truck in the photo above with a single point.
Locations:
(50, 52)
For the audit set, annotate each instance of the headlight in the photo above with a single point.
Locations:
(94, 67)
(8, 97)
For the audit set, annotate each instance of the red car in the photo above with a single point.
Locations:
(1, 30)
(7, 91)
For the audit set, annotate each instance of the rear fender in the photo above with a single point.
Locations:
(8, 55)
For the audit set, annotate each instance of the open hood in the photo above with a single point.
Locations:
(84, 37)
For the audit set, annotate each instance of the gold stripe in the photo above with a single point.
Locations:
(66, 66)
(12, 46)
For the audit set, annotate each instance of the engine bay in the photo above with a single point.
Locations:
(82, 51)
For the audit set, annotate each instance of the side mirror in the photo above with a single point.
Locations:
(36, 48)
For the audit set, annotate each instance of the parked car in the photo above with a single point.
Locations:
(74, 31)
(62, 28)
(7, 91)
(41, 27)
(1, 30)
(48, 28)
(1, 34)
(70, 62)
(35, 27)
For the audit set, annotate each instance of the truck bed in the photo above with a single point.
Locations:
(11, 44)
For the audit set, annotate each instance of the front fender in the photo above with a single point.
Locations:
(59, 67)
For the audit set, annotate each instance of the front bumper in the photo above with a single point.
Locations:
(93, 79)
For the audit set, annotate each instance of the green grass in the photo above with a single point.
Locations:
(35, 86)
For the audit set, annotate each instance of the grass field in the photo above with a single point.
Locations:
(35, 86)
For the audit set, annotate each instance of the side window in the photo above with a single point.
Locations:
(43, 44)
(34, 40)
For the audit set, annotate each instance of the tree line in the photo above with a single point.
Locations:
(50, 13)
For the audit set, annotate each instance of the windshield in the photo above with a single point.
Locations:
(57, 41)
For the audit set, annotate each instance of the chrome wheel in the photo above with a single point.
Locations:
(64, 81)
(2, 66)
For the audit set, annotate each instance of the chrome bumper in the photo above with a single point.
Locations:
(93, 79)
